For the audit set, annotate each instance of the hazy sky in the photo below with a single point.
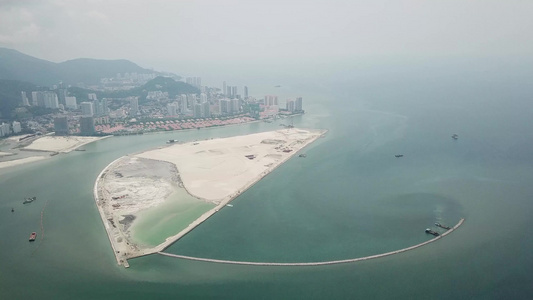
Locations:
(182, 34)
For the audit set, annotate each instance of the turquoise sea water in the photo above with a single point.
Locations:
(350, 197)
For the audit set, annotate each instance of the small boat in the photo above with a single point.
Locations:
(229, 205)
(12, 210)
(455, 136)
(443, 226)
(33, 235)
(302, 155)
(432, 232)
(29, 200)
(398, 155)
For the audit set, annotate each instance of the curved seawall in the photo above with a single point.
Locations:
(332, 262)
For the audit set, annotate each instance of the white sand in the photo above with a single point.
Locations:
(214, 170)
(62, 144)
(5, 153)
(11, 163)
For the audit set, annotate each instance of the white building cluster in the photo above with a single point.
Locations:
(6, 129)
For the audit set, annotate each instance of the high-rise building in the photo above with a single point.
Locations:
(70, 102)
(4, 129)
(16, 127)
(203, 98)
(87, 125)
(271, 100)
(91, 97)
(191, 101)
(61, 126)
(235, 106)
(25, 101)
(298, 105)
(224, 88)
(206, 110)
(290, 105)
(87, 109)
(62, 94)
(197, 110)
(172, 109)
(35, 98)
(194, 81)
(134, 106)
(245, 92)
(183, 104)
(233, 92)
(224, 106)
(50, 100)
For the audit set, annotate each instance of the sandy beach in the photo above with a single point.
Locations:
(17, 152)
(212, 171)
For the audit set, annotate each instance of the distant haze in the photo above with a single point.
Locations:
(190, 36)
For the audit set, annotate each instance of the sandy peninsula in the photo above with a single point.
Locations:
(20, 150)
(212, 171)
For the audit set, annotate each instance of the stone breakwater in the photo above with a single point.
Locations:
(332, 262)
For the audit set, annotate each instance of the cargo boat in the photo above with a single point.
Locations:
(33, 235)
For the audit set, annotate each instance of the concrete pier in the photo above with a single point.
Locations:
(332, 262)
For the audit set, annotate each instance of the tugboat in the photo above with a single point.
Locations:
(443, 226)
(432, 232)
(33, 235)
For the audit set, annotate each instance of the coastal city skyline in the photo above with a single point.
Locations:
(305, 149)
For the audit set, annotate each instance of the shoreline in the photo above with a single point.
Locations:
(114, 233)
(51, 146)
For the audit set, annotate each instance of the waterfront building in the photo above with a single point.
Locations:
(70, 102)
(224, 106)
(87, 125)
(271, 100)
(197, 110)
(61, 126)
(87, 109)
(206, 110)
(298, 106)
(235, 105)
(183, 103)
(290, 106)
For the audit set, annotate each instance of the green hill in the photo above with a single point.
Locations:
(15, 65)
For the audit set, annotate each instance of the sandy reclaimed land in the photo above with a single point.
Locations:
(61, 144)
(11, 163)
(216, 170)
